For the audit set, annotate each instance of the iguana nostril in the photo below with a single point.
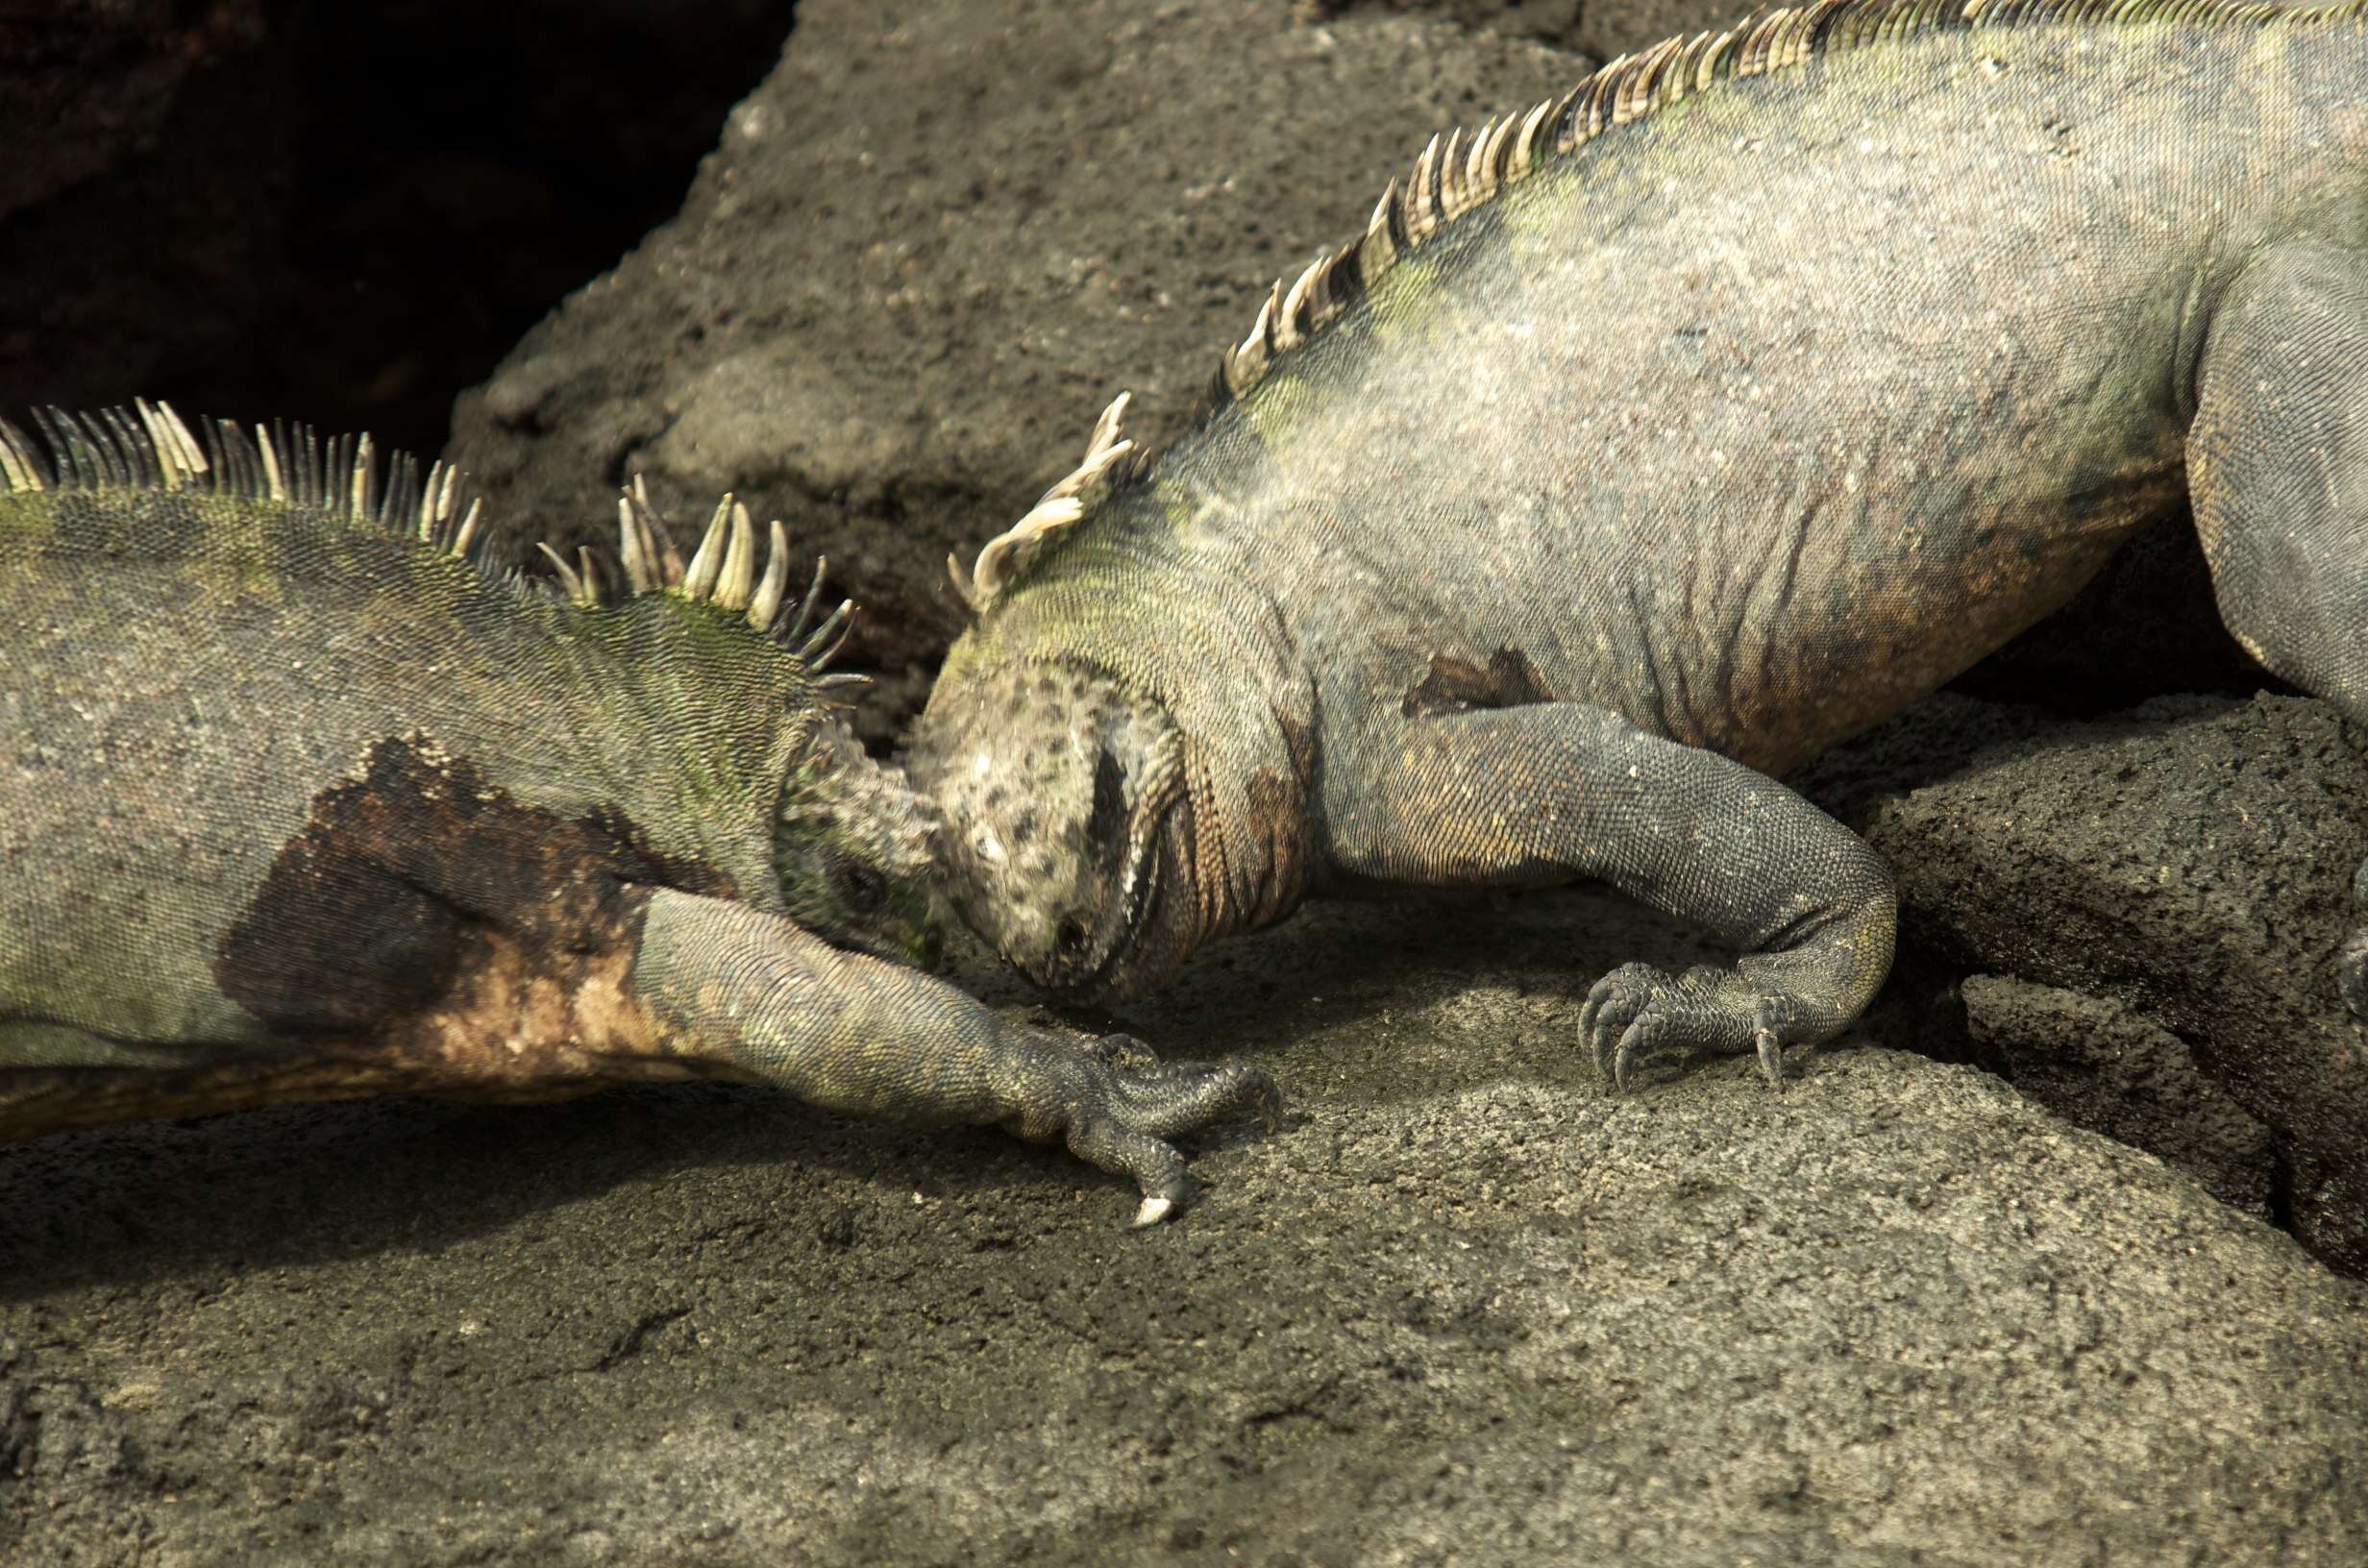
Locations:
(1069, 940)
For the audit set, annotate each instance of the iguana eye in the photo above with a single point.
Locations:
(865, 888)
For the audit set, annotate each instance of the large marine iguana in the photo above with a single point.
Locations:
(1652, 440)
(301, 797)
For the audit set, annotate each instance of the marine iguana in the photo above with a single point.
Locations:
(303, 796)
(1654, 439)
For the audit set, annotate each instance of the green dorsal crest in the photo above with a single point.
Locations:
(722, 572)
(150, 447)
(1464, 169)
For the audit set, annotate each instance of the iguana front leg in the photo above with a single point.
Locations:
(1554, 792)
(759, 998)
(2278, 462)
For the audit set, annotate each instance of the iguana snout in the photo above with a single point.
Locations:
(1062, 793)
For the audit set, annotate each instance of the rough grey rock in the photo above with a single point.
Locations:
(1557, 22)
(1600, 31)
(2104, 1066)
(1463, 1308)
(2193, 857)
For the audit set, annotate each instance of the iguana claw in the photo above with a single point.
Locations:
(1637, 1009)
(1772, 1049)
(1116, 1103)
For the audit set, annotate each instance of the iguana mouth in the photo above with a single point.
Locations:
(1120, 944)
(1143, 885)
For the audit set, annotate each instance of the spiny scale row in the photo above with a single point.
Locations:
(1110, 461)
(1454, 174)
(1463, 169)
(149, 446)
(722, 572)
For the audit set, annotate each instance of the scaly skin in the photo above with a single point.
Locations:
(1676, 445)
(298, 801)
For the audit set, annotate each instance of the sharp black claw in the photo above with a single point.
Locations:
(1632, 1040)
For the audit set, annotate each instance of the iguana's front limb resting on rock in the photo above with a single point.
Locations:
(760, 996)
(2277, 463)
(1516, 797)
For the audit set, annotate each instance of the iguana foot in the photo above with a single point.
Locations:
(759, 998)
(1637, 1009)
(1116, 1103)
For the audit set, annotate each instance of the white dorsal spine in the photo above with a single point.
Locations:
(150, 447)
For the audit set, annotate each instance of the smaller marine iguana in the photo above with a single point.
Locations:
(1652, 440)
(300, 799)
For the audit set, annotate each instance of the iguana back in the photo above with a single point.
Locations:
(241, 699)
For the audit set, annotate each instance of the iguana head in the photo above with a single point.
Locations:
(853, 852)
(853, 846)
(1121, 744)
(1067, 816)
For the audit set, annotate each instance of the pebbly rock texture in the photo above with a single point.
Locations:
(1556, 22)
(2106, 1066)
(1463, 1307)
(2192, 858)
(1602, 31)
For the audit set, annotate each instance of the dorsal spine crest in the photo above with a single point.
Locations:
(151, 447)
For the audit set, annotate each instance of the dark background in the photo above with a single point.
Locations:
(343, 212)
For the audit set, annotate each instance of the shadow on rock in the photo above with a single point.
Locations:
(305, 1185)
